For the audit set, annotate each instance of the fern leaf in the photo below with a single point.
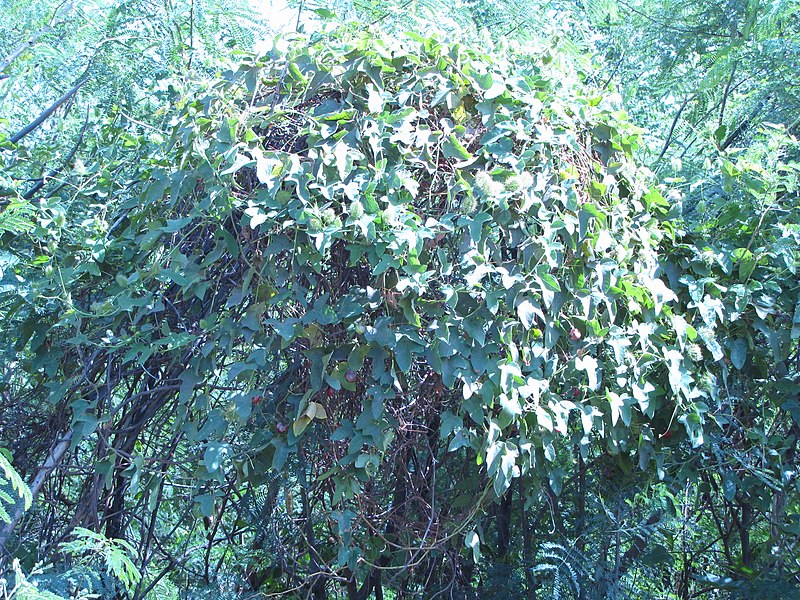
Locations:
(16, 481)
(16, 218)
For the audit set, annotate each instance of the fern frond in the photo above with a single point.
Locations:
(17, 218)
(27, 589)
(601, 12)
(566, 567)
(16, 481)
(115, 554)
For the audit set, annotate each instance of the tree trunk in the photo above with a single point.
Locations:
(504, 522)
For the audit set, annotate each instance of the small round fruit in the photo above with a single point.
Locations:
(574, 334)
(351, 376)
(256, 400)
(355, 210)
(330, 392)
(282, 427)
(695, 352)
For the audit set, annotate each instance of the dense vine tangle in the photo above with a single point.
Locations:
(367, 305)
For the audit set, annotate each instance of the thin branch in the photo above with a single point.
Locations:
(614, 72)
(54, 22)
(668, 141)
(53, 172)
(746, 123)
(725, 95)
(47, 112)
(56, 454)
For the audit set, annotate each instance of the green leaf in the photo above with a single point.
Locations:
(619, 408)
(546, 279)
(739, 353)
(257, 216)
(452, 148)
(747, 263)
(300, 424)
(526, 312)
(473, 542)
(589, 364)
(215, 454)
(498, 88)
(240, 161)
(206, 503)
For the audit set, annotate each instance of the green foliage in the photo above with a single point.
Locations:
(701, 76)
(93, 548)
(358, 302)
(565, 567)
(16, 218)
(24, 588)
(11, 478)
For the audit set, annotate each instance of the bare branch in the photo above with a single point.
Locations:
(668, 141)
(53, 172)
(47, 112)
